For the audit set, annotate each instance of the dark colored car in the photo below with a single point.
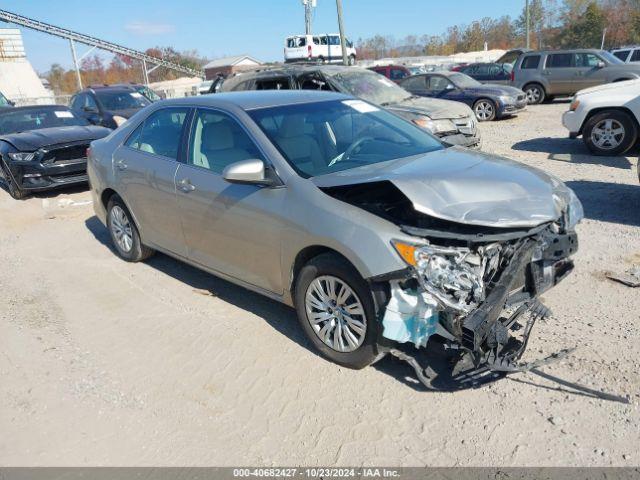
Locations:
(44, 147)
(108, 106)
(450, 121)
(497, 73)
(144, 90)
(487, 101)
(5, 102)
(394, 73)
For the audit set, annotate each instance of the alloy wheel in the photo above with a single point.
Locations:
(608, 134)
(484, 111)
(533, 95)
(335, 313)
(121, 228)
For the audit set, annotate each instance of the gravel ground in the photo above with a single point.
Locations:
(108, 363)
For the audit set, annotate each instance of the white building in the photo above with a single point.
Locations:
(19, 82)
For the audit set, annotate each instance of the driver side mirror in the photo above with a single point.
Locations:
(601, 64)
(450, 86)
(249, 172)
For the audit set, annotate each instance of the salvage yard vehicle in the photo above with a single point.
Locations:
(5, 102)
(109, 106)
(395, 73)
(321, 48)
(607, 117)
(489, 102)
(629, 54)
(44, 147)
(452, 122)
(496, 73)
(376, 232)
(546, 74)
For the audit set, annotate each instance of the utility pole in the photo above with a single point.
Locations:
(528, 20)
(309, 5)
(75, 63)
(343, 41)
(604, 35)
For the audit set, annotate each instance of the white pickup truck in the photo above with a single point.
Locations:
(607, 117)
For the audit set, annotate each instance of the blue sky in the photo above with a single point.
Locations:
(227, 27)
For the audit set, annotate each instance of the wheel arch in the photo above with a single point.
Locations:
(106, 196)
(597, 110)
(538, 83)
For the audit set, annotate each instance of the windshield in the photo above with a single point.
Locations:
(463, 81)
(326, 137)
(150, 94)
(122, 100)
(370, 86)
(15, 121)
(609, 57)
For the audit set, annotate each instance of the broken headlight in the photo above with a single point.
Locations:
(574, 212)
(453, 276)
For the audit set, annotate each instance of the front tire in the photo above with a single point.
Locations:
(610, 133)
(535, 93)
(13, 189)
(485, 110)
(124, 233)
(337, 311)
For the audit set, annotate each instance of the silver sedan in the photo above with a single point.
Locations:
(382, 238)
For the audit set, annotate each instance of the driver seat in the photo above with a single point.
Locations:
(301, 149)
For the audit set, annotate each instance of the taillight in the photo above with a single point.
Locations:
(309, 50)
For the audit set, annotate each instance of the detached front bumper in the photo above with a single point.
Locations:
(462, 140)
(417, 314)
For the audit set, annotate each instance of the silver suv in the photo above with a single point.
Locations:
(546, 74)
(371, 228)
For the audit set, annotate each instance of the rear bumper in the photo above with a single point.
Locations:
(37, 176)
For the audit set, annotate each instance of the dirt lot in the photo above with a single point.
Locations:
(108, 363)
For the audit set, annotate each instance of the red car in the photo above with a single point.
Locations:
(392, 72)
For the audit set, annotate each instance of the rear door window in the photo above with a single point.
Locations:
(560, 60)
(530, 62)
(622, 54)
(161, 132)
(414, 83)
(636, 56)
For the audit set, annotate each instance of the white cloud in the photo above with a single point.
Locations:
(149, 28)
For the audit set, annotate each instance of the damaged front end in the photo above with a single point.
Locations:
(467, 287)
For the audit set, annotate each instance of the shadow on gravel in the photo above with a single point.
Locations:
(609, 202)
(571, 151)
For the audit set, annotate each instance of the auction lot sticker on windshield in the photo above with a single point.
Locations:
(360, 106)
(63, 114)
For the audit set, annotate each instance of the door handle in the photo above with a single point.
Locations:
(121, 165)
(186, 186)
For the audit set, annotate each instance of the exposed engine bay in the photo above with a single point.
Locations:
(466, 285)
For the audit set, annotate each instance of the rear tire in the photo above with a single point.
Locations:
(611, 132)
(362, 349)
(535, 93)
(124, 232)
(321, 61)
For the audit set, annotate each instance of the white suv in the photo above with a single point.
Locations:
(607, 117)
(628, 54)
(317, 48)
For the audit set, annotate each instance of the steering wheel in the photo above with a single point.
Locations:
(352, 148)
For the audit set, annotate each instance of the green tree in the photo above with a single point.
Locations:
(586, 30)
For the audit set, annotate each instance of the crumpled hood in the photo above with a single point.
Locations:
(467, 187)
(34, 139)
(435, 108)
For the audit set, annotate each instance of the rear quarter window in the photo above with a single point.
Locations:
(636, 56)
(530, 63)
(622, 54)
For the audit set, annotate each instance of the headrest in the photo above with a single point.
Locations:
(217, 136)
(292, 126)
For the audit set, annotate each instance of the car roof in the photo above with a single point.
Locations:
(565, 50)
(109, 88)
(35, 107)
(255, 99)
